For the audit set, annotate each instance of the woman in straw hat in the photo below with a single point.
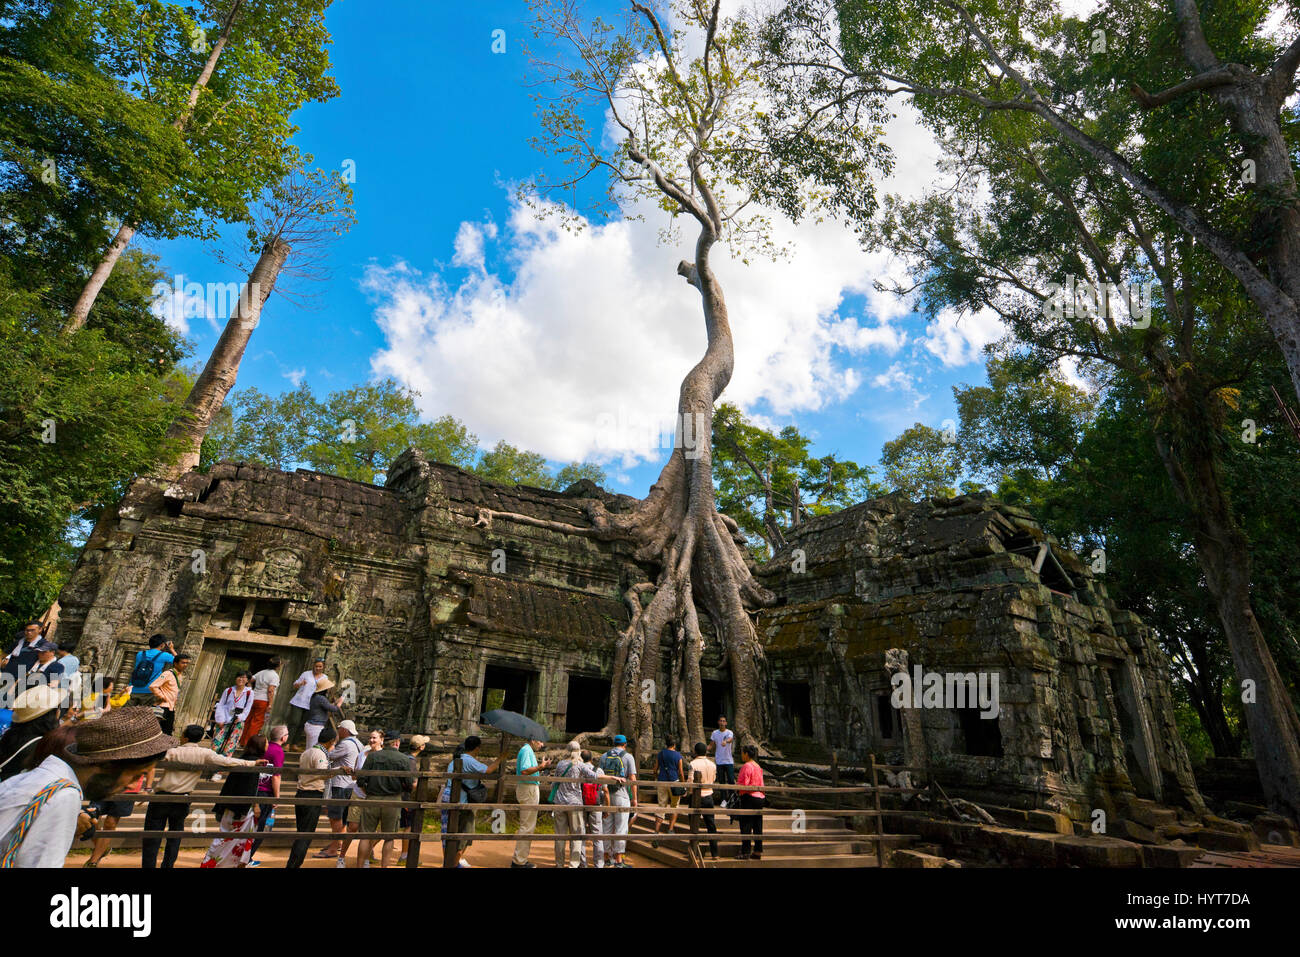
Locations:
(36, 712)
(319, 710)
(233, 708)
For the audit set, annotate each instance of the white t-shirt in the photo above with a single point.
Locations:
(50, 836)
(722, 743)
(302, 697)
(264, 680)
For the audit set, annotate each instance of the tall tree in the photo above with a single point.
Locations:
(686, 123)
(922, 461)
(304, 212)
(147, 115)
(1078, 266)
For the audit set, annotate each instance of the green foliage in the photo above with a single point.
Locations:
(922, 461)
(104, 397)
(95, 89)
(356, 433)
(756, 472)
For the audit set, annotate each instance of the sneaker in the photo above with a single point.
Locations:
(254, 863)
(574, 864)
(525, 864)
(342, 863)
(218, 778)
(402, 859)
(365, 864)
(464, 864)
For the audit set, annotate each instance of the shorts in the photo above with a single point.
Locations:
(664, 793)
(117, 809)
(379, 818)
(339, 812)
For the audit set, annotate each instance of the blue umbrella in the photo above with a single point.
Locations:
(511, 722)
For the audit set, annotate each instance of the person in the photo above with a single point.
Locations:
(265, 683)
(180, 782)
(148, 665)
(268, 785)
(166, 690)
(708, 772)
(233, 708)
(36, 713)
(47, 670)
(568, 801)
(303, 689)
(752, 798)
(617, 763)
(313, 771)
(108, 814)
(383, 788)
(418, 743)
(594, 794)
(70, 666)
(346, 758)
(40, 809)
(668, 789)
(319, 709)
(528, 795)
(99, 702)
(23, 654)
(236, 813)
(463, 761)
(721, 744)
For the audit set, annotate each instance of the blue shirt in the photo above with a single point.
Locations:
(471, 764)
(526, 759)
(668, 764)
(159, 659)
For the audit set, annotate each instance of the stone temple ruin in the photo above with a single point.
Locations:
(428, 619)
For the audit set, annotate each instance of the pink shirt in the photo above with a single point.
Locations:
(752, 775)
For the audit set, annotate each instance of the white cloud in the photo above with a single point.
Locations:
(596, 322)
(469, 244)
(295, 376)
(960, 340)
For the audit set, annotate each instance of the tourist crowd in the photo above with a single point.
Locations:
(63, 748)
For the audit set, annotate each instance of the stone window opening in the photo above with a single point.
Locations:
(1043, 560)
(513, 689)
(982, 736)
(587, 707)
(716, 698)
(794, 709)
(887, 723)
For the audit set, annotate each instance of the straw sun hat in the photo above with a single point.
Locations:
(323, 684)
(34, 702)
(121, 735)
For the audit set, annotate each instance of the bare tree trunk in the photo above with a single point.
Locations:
(219, 374)
(1223, 553)
(104, 268)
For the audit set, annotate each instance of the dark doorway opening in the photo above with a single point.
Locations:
(716, 698)
(983, 737)
(794, 709)
(887, 722)
(509, 688)
(239, 659)
(588, 704)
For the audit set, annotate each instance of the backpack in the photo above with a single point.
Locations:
(142, 673)
(611, 763)
(590, 793)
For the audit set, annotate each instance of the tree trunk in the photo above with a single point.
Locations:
(678, 529)
(104, 268)
(1223, 553)
(222, 368)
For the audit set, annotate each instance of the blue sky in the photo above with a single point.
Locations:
(513, 328)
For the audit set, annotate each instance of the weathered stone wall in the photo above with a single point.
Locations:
(415, 602)
(1086, 714)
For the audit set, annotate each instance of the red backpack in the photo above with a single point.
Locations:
(590, 793)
